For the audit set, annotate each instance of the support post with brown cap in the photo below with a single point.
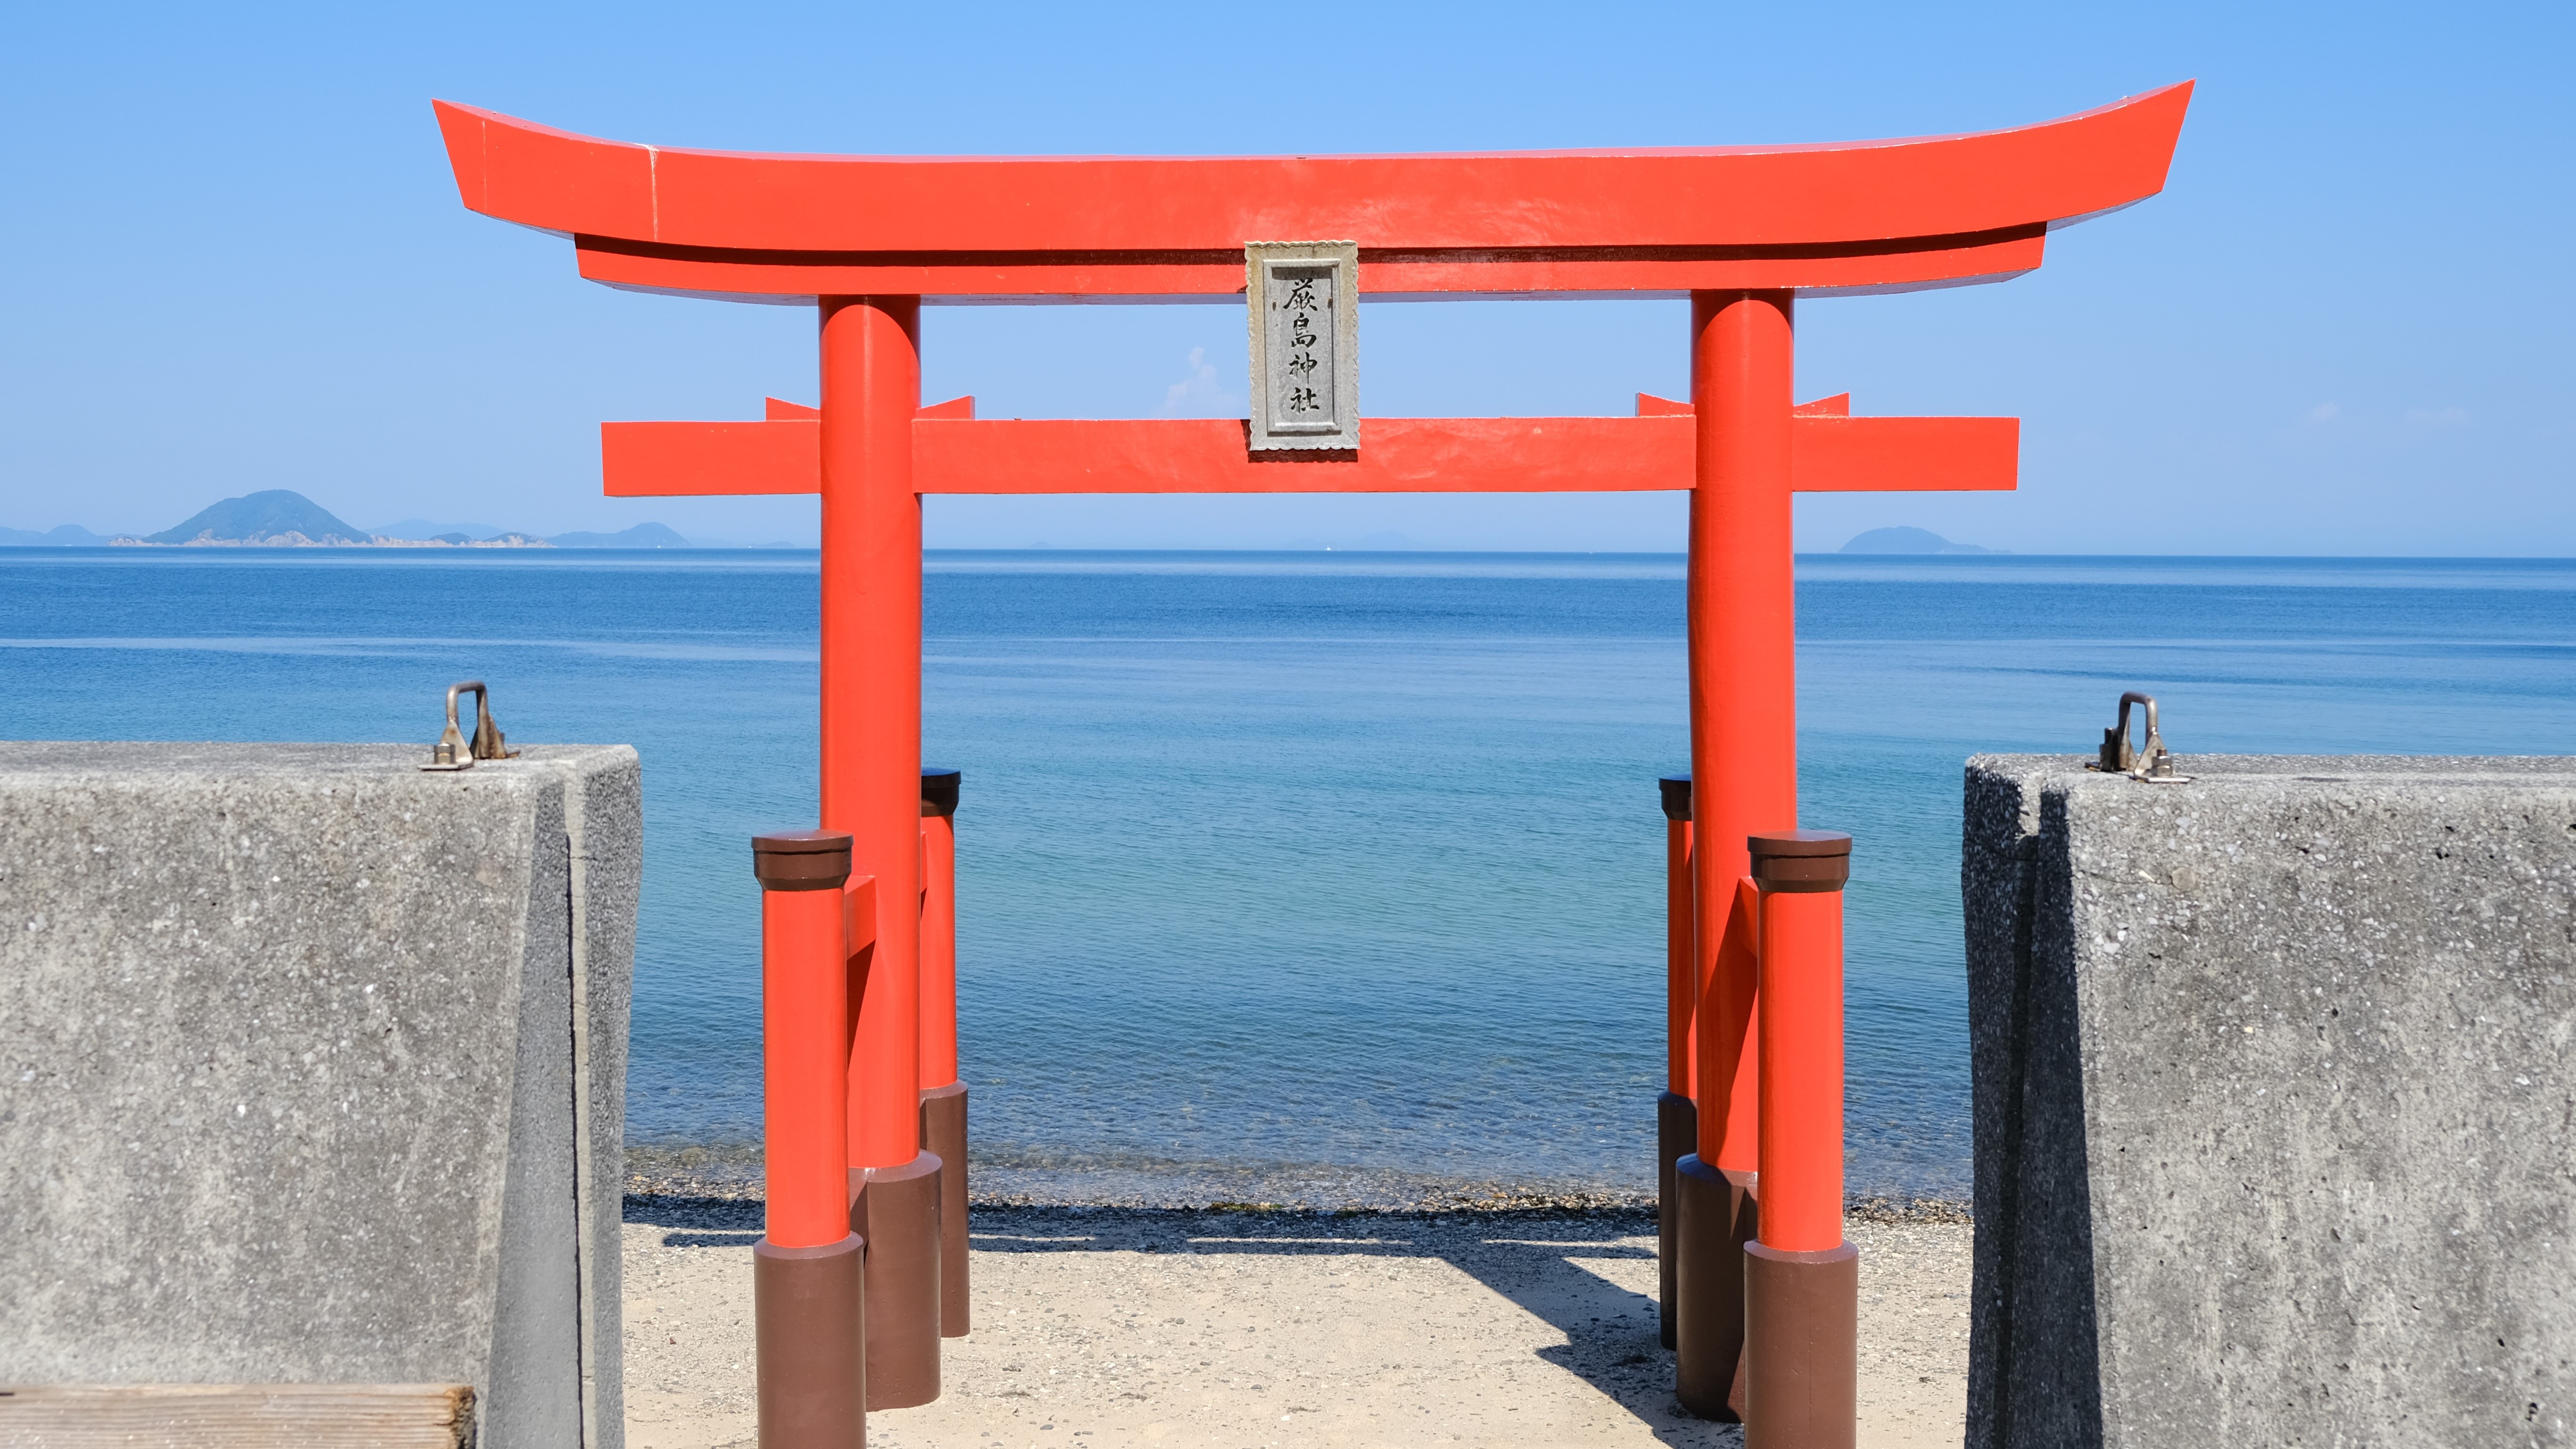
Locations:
(1717, 1208)
(808, 1306)
(1802, 1278)
(943, 1091)
(1676, 1115)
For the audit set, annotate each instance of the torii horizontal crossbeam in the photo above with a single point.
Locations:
(1402, 455)
(1652, 221)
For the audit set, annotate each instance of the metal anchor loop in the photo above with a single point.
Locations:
(453, 751)
(2149, 762)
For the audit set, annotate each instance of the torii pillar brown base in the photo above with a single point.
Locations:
(943, 1135)
(896, 1209)
(1676, 1134)
(1717, 1213)
(809, 1322)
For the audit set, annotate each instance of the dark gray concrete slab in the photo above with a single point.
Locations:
(2275, 1120)
(311, 1069)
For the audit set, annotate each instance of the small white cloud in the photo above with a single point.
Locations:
(2324, 413)
(1202, 394)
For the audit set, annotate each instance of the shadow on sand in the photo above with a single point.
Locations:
(1533, 1258)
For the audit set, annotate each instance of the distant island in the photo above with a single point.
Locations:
(283, 518)
(70, 535)
(1910, 540)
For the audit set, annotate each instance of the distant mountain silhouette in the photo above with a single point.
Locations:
(69, 535)
(283, 517)
(270, 515)
(642, 535)
(1909, 540)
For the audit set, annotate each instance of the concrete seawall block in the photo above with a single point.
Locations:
(2275, 1115)
(311, 1070)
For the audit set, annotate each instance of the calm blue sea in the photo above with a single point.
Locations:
(1329, 862)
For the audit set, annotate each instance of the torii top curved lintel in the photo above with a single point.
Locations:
(1876, 215)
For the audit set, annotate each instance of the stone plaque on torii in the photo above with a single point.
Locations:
(1741, 232)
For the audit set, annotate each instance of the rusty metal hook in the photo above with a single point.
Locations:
(2149, 761)
(453, 751)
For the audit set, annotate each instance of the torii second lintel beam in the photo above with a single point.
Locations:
(1830, 453)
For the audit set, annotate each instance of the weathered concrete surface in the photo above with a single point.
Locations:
(311, 1069)
(2275, 1121)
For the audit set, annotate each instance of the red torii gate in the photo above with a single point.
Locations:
(1740, 231)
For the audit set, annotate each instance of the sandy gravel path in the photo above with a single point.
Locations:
(1114, 1326)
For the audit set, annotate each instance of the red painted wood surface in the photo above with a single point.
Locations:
(1681, 985)
(1830, 453)
(1396, 455)
(952, 454)
(804, 1067)
(1802, 1069)
(871, 696)
(1860, 193)
(658, 460)
(1649, 405)
(794, 278)
(1728, 1031)
(859, 914)
(1743, 648)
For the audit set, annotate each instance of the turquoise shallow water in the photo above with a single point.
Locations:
(1303, 862)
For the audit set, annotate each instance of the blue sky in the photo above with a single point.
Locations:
(235, 259)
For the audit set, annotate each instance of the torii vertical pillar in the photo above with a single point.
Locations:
(871, 727)
(1744, 768)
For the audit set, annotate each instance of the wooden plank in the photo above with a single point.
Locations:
(238, 1416)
